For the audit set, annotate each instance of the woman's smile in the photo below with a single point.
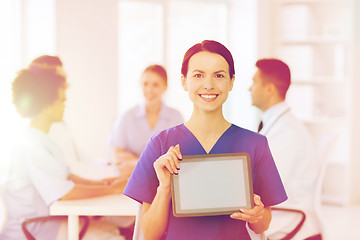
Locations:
(209, 97)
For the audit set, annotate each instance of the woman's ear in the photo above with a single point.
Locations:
(232, 83)
(183, 82)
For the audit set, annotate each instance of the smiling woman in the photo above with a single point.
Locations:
(208, 77)
(209, 82)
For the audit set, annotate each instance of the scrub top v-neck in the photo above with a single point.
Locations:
(142, 185)
(197, 143)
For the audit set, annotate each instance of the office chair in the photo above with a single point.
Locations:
(289, 234)
(29, 236)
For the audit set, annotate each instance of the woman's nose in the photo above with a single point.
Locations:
(208, 83)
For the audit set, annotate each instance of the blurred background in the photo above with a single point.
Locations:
(105, 45)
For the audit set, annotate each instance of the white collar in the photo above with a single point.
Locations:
(273, 114)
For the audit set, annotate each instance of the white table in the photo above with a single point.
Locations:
(110, 205)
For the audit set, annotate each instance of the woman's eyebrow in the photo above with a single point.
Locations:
(197, 70)
(220, 71)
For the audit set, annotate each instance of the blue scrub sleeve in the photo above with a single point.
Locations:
(267, 183)
(143, 183)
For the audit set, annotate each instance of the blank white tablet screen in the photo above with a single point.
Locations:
(212, 184)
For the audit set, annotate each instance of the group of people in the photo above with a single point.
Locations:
(149, 140)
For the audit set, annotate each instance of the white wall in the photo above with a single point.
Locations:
(355, 126)
(243, 45)
(87, 43)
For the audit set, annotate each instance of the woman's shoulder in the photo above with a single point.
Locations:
(162, 140)
(246, 132)
(170, 132)
(170, 111)
(134, 109)
(250, 137)
(130, 113)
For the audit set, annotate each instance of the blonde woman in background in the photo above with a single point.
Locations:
(133, 129)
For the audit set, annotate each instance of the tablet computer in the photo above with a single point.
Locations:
(212, 184)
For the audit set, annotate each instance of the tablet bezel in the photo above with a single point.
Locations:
(178, 212)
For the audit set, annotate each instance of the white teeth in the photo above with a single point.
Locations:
(208, 96)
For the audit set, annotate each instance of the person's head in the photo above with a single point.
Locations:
(212, 47)
(36, 90)
(270, 83)
(154, 83)
(208, 74)
(47, 61)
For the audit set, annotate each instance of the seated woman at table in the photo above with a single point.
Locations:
(134, 128)
(38, 174)
(79, 161)
(207, 75)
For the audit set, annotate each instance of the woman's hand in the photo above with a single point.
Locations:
(119, 184)
(109, 181)
(154, 216)
(252, 215)
(258, 217)
(126, 168)
(168, 164)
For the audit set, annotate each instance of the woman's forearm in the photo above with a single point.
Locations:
(121, 155)
(79, 180)
(263, 224)
(80, 191)
(154, 216)
(94, 190)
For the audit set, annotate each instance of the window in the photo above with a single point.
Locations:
(27, 31)
(159, 32)
(140, 44)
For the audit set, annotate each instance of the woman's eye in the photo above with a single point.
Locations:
(219, 75)
(198, 75)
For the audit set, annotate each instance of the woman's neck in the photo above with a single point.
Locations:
(41, 124)
(153, 108)
(207, 127)
(207, 124)
(152, 113)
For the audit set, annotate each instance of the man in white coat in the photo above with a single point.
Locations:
(291, 145)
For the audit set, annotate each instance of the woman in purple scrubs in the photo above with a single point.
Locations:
(207, 75)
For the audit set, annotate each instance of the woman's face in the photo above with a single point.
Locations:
(153, 86)
(56, 110)
(208, 81)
